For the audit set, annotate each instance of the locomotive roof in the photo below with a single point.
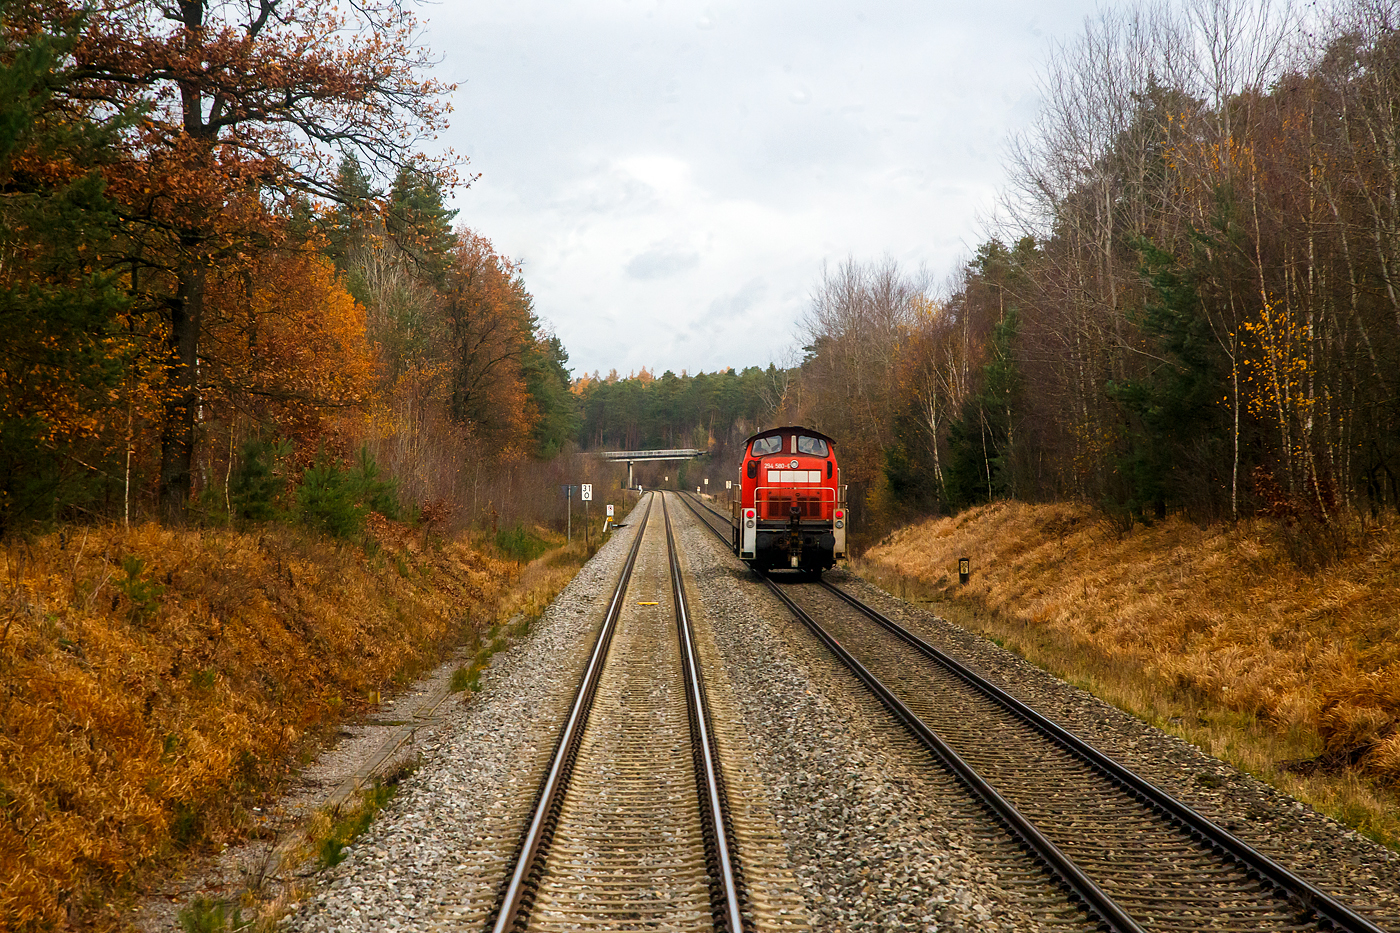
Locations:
(790, 429)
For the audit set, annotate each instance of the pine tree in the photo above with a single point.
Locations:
(1175, 424)
(421, 223)
(352, 216)
(982, 442)
(547, 381)
(64, 351)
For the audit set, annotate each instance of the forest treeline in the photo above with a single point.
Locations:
(1189, 300)
(228, 281)
(1196, 305)
(712, 412)
(1193, 303)
(226, 266)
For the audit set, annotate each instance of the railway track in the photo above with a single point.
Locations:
(630, 827)
(1131, 856)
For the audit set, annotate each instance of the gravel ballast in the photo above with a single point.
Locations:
(875, 837)
(427, 860)
(863, 812)
(1338, 860)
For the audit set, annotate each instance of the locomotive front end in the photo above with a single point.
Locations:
(790, 512)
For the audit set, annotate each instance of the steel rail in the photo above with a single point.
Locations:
(1327, 908)
(1082, 888)
(707, 773)
(547, 804)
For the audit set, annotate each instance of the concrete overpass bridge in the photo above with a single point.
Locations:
(644, 456)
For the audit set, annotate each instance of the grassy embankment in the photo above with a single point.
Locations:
(1214, 634)
(155, 684)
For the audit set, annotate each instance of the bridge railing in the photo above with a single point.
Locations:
(680, 453)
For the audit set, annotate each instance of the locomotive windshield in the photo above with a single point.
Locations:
(768, 445)
(811, 445)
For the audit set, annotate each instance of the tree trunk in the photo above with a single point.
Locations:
(182, 392)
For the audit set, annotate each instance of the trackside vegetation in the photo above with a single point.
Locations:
(157, 683)
(1214, 633)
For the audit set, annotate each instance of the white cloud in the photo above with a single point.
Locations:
(661, 263)
(674, 173)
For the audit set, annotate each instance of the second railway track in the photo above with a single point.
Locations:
(1149, 862)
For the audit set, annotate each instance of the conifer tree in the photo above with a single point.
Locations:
(64, 346)
(1174, 414)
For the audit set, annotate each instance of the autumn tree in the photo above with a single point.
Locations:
(242, 102)
(860, 318)
(490, 323)
(285, 343)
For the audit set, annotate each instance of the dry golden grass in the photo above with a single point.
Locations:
(1213, 632)
(153, 682)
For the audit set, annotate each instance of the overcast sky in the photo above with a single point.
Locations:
(674, 174)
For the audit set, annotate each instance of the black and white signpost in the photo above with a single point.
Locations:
(586, 494)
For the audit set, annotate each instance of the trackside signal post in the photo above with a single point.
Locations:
(568, 492)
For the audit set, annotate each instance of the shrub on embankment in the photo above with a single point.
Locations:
(1221, 616)
(153, 682)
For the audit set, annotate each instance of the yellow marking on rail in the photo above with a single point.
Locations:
(648, 604)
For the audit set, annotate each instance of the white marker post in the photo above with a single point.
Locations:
(586, 494)
(609, 519)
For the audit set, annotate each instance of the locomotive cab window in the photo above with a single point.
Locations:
(811, 445)
(767, 445)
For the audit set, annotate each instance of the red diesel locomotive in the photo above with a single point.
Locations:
(788, 510)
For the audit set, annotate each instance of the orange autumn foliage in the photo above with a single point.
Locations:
(489, 321)
(236, 111)
(153, 680)
(287, 342)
